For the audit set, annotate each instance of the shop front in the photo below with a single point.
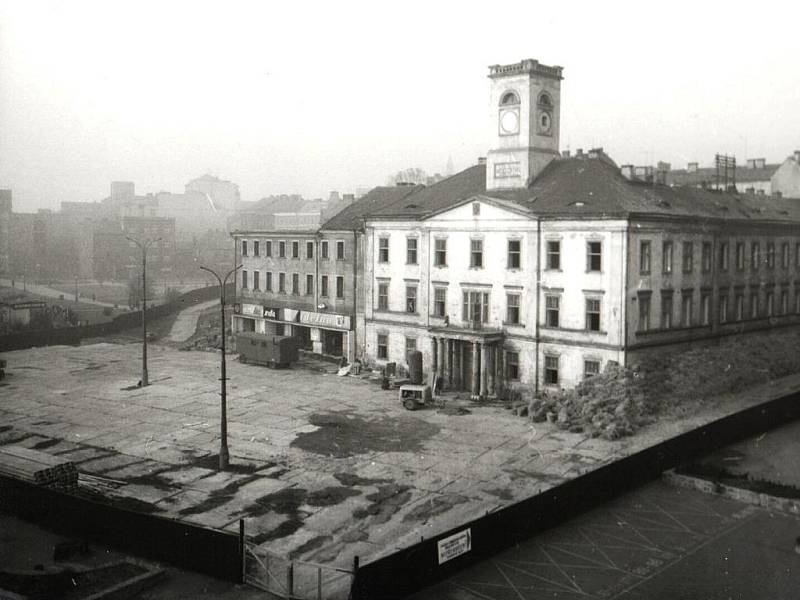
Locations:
(330, 333)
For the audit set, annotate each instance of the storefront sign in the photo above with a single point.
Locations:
(325, 320)
(290, 314)
(454, 545)
(237, 308)
(254, 310)
(271, 313)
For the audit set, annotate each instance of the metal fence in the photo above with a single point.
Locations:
(295, 580)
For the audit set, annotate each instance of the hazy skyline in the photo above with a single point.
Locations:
(289, 98)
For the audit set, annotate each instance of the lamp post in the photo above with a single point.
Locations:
(143, 247)
(223, 441)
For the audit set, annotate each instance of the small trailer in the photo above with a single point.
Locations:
(269, 350)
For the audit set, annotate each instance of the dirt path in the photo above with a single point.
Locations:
(186, 323)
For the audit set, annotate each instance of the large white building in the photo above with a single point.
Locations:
(535, 269)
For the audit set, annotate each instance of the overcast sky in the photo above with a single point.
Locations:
(307, 97)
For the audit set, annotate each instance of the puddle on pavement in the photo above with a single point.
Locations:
(45, 444)
(343, 434)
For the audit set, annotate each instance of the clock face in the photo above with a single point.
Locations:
(545, 122)
(509, 121)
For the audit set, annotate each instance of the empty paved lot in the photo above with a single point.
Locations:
(326, 467)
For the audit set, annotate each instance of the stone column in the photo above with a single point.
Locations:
(434, 356)
(443, 361)
(475, 356)
(462, 377)
(498, 364)
(490, 360)
(484, 371)
(450, 351)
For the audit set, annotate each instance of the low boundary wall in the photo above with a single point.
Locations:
(409, 570)
(73, 335)
(179, 543)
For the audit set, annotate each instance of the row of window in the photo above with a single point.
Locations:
(730, 308)
(513, 256)
(552, 312)
(295, 249)
(295, 283)
(594, 255)
(687, 257)
(511, 361)
(475, 304)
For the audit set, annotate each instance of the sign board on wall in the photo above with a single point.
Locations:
(271, 313)
(325, 320)
(454, 545)
(290, 314)
(254, 310)
(507, 169)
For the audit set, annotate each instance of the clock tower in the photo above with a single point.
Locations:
(525, 110)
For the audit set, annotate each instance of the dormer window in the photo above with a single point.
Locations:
(509, 99)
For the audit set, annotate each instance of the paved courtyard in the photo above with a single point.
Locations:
(325, 467)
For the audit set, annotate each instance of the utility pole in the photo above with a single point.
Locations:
(224, 456)
(144, 246)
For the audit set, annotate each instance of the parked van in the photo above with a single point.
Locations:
(270, 350)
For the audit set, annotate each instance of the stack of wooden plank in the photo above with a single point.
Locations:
(39, 468)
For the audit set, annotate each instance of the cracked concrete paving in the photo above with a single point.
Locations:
(77, 402)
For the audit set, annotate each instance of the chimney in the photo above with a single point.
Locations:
(596, 152)
(579, 153)
(627, 171)
(481, 160)
(565, 153)
(691, 167)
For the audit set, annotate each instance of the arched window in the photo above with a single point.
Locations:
(509, 98)
(545, 100)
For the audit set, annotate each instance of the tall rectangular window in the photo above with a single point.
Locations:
(323, 286)
(411, 345)
(754, 308)
(476, 254)
(591, 368)
(296, 284)
(551, 370)
(383, 296)
(644, 257)
(512, 309)
(309, 285)
(512, 366)
(440, 252)
(324, 250)
(755, 256)
(770, 304)
(666, 257)
(340, 250)
(594, 256)
(797, 255)
(475, 307)
(770, 255)
(687, 308)
(552, 304)
(723, 256)
(723, 308)
(593, 314)
(706, 257)
(295, 249)
(411, 299)
(268, 282)
(554, 255)
(244, 280)
(309, 250)
(688, 257)
(268, 248)
(282, 283)
(340, 287)
(439, 301)
(738, 307)
(383, 250)
(256, 277)
(740, 256)
(705, 308)
(784, 302)
(514, 259)
(411, 251)
(383, 346)
(644, 312)
(255, 248)
(785, 256)
(244, 247)
(666, 310)
(281, 249)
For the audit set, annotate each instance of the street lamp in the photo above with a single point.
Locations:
(144, 248)
(223, 441)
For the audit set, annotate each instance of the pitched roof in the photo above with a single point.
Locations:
(382, 197)
(708, 175)
(594, 188)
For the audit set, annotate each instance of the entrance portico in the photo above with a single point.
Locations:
(468, 359)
